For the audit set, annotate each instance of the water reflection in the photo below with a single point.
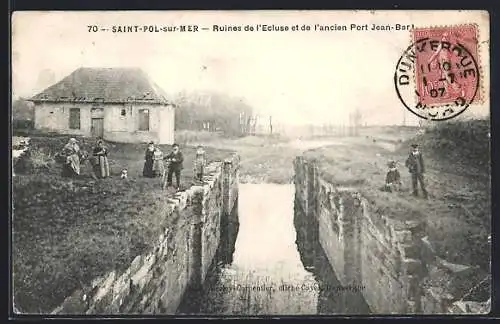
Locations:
(274, 269)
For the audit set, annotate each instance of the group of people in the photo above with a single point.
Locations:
(75, 157)
(155, 163)
(415, 165)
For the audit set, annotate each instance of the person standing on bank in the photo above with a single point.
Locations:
(175, 158)
(147, 171)
(101, 156)
(415, 164)
(200, 161)
(158, 167)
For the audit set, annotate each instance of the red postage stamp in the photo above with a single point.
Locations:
(447, 65)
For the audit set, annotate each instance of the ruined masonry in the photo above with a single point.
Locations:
(155, 283)
(390, 259)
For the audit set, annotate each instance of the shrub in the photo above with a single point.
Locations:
(22, 127)
(458, 142)
(466, 141)
(22, 124)
(41, 159)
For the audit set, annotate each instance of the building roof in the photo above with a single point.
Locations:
(107, 85)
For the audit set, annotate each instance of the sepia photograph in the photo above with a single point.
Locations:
(250, 163)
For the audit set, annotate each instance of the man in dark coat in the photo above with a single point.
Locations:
(415, 164)
(175, 159)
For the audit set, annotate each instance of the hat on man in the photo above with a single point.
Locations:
(414, 145)
(391, 164)
(73, 140)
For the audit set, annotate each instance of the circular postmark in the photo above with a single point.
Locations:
(437, 78)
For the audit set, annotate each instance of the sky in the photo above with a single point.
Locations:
(297, 77)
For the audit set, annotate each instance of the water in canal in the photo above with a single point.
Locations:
(270, 263)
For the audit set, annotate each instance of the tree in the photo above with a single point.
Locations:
(355, 121)
(22, 110)
(213, 112)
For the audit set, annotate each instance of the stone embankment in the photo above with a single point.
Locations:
(392, 259)
(156, 282)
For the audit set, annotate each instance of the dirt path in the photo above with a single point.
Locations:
(304, 145)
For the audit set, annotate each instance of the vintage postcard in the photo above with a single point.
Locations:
(248, 163)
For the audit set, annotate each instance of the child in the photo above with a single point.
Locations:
(200, 161)
(158, 167)
(393, 178)
(89, 162)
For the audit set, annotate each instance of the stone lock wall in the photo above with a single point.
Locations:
(389, 259)
(155, 283)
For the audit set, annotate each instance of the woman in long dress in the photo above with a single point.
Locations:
(101, 156)
(158, 167)
(147, 171)
(72, 164)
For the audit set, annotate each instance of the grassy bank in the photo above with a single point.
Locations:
(68, 232)
(264, 159)
(457, 158)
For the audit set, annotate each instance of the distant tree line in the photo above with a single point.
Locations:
(214, 113)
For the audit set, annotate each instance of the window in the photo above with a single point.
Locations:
(97, 110)
(74, 118)
(144, 119)
(124, 112)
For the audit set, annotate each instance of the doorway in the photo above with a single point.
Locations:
(97, 127)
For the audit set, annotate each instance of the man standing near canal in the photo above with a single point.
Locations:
(175, 159)
(415, 164)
